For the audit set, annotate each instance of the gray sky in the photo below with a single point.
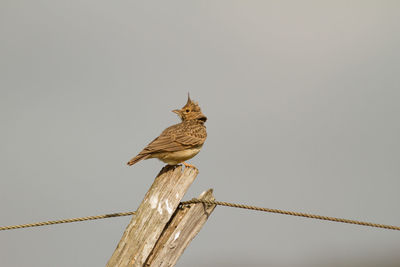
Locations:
(302, 99)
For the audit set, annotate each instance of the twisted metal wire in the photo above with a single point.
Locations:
(292, 213)
(210, 202)
(105, 216)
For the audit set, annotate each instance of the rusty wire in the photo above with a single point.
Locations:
(209, 202)
(88, 218)
(292, 213)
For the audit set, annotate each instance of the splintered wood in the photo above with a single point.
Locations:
(183, 227)
(150, 232)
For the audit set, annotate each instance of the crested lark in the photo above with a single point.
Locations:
(178, 142)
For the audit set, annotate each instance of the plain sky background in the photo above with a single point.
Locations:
(302, 99)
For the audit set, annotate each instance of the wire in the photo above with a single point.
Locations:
(292, 213)
(88, 218)
(209, 202)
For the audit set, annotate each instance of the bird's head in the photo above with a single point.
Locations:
(190, 111)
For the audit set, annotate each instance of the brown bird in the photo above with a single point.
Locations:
(179, 142)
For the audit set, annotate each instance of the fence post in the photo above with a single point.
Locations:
(180, 231)
(152, 216)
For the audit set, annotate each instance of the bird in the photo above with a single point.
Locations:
(179, 142)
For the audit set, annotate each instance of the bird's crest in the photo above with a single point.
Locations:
(191, 110)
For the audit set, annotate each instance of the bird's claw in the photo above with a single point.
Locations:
(187, 165)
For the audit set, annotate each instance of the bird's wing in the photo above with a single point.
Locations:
(192, 135)
(176, 138)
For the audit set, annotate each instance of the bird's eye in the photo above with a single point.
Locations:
(187, 110)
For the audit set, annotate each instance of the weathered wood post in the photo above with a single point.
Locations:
(180, 231)
(153, 217)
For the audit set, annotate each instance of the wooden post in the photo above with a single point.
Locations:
(180, 231)
(151, 217)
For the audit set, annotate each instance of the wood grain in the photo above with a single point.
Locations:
(180, 231)
(152, 216)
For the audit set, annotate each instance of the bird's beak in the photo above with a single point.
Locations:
(202, 117)
(177, 111)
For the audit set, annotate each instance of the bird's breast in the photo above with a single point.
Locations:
(176, 157)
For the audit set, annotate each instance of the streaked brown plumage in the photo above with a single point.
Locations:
(178, 142)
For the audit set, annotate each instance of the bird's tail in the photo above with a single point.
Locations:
(137, 158)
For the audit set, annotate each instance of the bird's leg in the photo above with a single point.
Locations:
(189, 165)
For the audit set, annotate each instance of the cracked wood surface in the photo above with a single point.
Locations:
(180, 231)
(152, 216)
